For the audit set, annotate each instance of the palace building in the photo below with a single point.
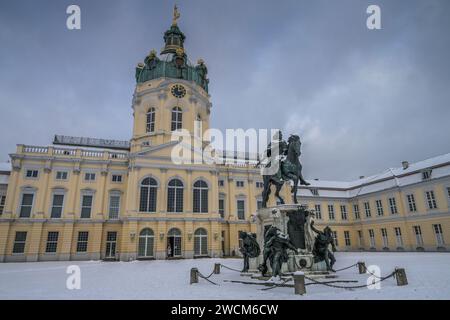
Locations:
(85, 198)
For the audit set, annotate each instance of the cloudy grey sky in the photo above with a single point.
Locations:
(362, 100)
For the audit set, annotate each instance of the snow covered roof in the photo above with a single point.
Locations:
(392, 177)
(5, 167)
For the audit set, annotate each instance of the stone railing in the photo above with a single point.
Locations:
(68, 152)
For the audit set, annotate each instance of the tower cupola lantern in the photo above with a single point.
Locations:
(173, 38)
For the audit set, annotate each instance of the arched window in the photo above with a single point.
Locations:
(177, 118)
(146, 243)
(175, 196)
(151, 120)
(147, 201)
(174, 243)
(200, 196)
(200, 242)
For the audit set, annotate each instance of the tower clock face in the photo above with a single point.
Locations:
(178, 91)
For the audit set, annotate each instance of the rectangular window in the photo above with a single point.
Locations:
(314, 191)
(344, 212)
(2, 204)
(448, 192)
(57, 206)
(241, 209)
(19, 242)
(418, 234)
(384, 235)
(411, 203)
(111, 240)
(431, 200)
(367, 209)
(240, 184)
(379, 205)
(318, 212)
(26, 205)
(82, 243)
(372, 238)
(335, 238)
(86, 206)
(398, 237)
(61, 175)
(393, 205)
(426, 174)
(89, 176)
(52, 241)
(32, 173)
(222, 208)
(259, 204)
(356, 211)
(221, 183)
(116, 178)
(331, 212)
(439, 235)
(259, 184)
(114, 206)
(347, 238)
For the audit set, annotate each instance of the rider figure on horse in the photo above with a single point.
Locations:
(275, 154)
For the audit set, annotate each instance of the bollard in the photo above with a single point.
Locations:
(216, 268)
(400, 275)
(361, 267)
(299, 283)
(194, 275)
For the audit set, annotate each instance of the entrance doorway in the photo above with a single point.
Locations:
(174, 243)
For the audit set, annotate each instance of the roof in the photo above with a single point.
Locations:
(5, 166)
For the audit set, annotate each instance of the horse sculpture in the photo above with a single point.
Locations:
(291, 170)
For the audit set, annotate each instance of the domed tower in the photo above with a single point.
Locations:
(171, 93)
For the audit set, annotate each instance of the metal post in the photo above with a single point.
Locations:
(194, 275)
(400, 275)
(361, 267)
(217, 268)
(299, 283)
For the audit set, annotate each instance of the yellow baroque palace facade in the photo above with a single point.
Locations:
(81, 198)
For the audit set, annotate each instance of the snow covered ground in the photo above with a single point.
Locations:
(428, 276)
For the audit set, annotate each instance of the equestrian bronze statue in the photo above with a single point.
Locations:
(282, 164)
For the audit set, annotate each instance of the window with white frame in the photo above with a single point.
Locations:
(393, 205)
(111, 243)
(438, 234)
(52, 242)
(86, 206)
(379, 205)
(240, 204)
(411, 202)
(200, 197)
(431, 200)
(398, 236)
(318, 211)
(150, 125)
(31, 173)
(418, 234)
(360, 239)
(26, 205)
(221, 183)
(200, 242)
(356, 211)
(116, 178)
(258, 204)
(372, 238)
(222, 207)
(347, 238)
(175, 190)
(239, 183)
(82, 241)
(259, 184)
(331, 212)
(335, 238)
(114, 205)
(426, 174)
(177, 119)
(2, 203)
(57, 205)
(148, 193)
(344, 212)
(384, 236)
(89, 176)
(367, 209)
(19, 242)
(61, 175)
(314, 191)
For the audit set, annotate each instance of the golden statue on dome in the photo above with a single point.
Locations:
(176, 15)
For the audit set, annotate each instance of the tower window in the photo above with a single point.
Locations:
(151, 120)
(177, 118)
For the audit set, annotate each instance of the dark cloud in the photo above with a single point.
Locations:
(362, 100)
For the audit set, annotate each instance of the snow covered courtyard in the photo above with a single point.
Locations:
(428, 276)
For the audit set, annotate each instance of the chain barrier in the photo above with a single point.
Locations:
(207, 278)
(342, 269)
(230, 268)
(351, 287)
